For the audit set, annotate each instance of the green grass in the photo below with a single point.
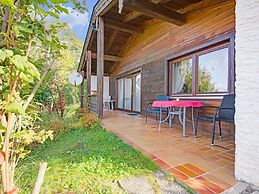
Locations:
(83, 161)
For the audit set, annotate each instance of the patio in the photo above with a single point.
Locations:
(192, 161)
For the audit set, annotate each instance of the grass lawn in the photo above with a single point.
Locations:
(83, 161)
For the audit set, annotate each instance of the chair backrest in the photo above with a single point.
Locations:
(228, 101)
(162, 98)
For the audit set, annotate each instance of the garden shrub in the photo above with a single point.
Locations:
(57, 125)
(90, 120)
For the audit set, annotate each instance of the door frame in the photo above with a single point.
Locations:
(130, 75)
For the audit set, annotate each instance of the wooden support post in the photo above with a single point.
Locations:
(82, 103)
(89, 71)
(100, 65)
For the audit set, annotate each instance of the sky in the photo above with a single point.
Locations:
(77, 21)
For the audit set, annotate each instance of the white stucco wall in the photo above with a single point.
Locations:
(247, 91)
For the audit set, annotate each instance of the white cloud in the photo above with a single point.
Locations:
(77, 21)
(74, 18)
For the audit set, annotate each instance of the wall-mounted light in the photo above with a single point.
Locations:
(94, 26)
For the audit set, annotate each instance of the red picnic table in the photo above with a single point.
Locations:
(180, 104)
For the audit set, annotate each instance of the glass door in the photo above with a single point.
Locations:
(129, 93)
(136, 93)
(121, 93)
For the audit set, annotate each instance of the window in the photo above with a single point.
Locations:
(182, 77)
(213, 72)
(204, 72)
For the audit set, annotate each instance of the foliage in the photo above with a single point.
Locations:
(28, 49)
(187, 87)
(90, 119)
(84, 161)
(58, 93)
(205, 83)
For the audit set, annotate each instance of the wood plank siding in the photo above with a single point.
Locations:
(162, 41)
(146, 41)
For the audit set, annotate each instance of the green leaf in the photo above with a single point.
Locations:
(19, 62)
(27, 78)
(23, 28)
(2, 128)
(32, 70)
(8, 53)
(16, 108)
(42, 38)
(1, 70)
(58, 1)
(9, 3)
(5, 53)
(53, 14)
(61, 9)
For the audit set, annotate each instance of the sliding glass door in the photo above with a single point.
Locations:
(136, 93)
(129, 93)
(120, 93)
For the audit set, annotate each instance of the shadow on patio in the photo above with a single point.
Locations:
(193, 161)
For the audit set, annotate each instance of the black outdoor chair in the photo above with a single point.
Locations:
(224, 113)
(154, 110)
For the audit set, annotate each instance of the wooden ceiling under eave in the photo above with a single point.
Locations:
(119, 29)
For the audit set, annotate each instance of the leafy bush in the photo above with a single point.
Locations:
(72, 110)
(90, 120)
(57, 126)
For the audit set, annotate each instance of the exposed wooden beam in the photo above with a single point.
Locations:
(111, 40)
(82, 60)
(134, 14)
(156, 11)
(91, 40)
(116, 25)
(131, 16)
(104, 6)
(159, 1)
(100, 66)
(107, 57)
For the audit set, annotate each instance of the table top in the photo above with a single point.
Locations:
(174, 103)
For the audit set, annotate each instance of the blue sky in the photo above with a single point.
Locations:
(77, 21)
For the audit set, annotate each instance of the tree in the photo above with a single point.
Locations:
(28, 49)
(205, 81)
(58, 93)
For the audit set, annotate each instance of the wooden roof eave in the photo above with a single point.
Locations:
(100, 8)
(143, 7)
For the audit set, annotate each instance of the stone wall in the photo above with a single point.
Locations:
(152, 82)
(247, 91)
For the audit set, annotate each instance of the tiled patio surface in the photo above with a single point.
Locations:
(193, 161)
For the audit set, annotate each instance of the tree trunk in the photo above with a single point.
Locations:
(36, 87)
(4, 25)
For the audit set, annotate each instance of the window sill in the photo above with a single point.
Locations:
(200, 97)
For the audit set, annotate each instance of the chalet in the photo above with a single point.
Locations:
(186, 49)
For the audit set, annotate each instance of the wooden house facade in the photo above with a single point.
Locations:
(141, 50)
(187, 49)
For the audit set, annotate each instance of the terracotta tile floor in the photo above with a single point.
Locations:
(193, 161)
